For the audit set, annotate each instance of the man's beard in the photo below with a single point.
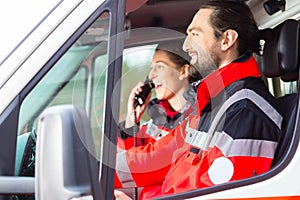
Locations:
(207, 63)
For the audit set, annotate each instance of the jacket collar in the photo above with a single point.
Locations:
(243, 67)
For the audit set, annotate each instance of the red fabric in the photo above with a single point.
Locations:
(214, 83)
(154, 159)
(144, 138)
(189, 170)
(168, 108)
(141, 136)
(193, 171)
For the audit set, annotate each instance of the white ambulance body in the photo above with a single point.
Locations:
(62, 61)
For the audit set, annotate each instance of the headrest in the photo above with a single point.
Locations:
(281, 54)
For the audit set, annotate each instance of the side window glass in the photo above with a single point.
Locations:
(136, 66)
(97, 97)
(77, 78)
(50, 91)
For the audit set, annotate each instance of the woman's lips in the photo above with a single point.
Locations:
(157, 85)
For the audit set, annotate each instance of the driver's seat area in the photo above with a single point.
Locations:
(281, 58)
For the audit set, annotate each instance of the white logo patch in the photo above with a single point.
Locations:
(221, 170)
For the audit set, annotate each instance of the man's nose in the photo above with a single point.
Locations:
(186, 44)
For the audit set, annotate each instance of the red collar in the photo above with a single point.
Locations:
(215, 82)
(168, 108)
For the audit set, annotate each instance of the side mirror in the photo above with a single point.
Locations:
(66, 166)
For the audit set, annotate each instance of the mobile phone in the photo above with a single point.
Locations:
(148, 85)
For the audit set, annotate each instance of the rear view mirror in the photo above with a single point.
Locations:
(65, 162)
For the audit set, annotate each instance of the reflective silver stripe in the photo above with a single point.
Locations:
(260, 102)
(243, 147)
(155, 132)
(122, 169)
(256, 99)
(196, 138)
(204, 139)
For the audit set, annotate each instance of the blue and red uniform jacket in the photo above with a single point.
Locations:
(237, 123)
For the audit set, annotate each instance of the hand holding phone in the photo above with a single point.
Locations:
(146, 89)
(138, 97)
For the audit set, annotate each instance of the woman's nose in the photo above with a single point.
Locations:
(152, 73)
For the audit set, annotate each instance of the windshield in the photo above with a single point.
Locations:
(20, 27)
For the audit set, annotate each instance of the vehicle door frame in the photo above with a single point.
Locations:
(9, 118)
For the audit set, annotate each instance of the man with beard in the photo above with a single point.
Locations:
(236, 129)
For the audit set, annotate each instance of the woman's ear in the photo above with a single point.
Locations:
(230, 37)
(184, 72)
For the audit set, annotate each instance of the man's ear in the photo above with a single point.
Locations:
(230, 37)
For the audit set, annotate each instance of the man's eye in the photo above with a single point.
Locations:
(194, 34)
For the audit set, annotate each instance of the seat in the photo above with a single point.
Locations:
(281, 58)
